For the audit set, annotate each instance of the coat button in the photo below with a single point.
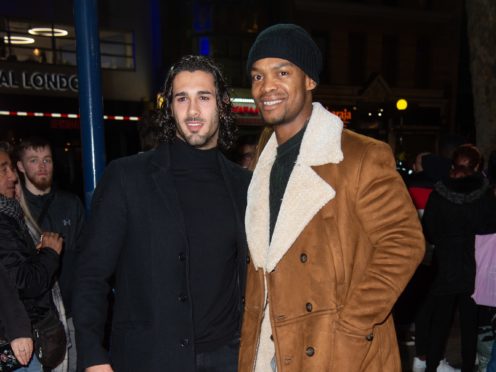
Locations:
(184, 342)
(243, 300)
(303, 258)
(248, 259)
(310, 351)
(271, 337)
(369, 337)
(182, 256)
(309, 307)
(183, 298)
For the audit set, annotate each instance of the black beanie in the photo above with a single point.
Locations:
(289, 42)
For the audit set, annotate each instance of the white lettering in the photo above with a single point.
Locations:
(40, 81)
(74, 83)
(25, 81)
(8, 79)
(37, 81)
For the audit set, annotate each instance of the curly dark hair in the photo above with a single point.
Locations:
(166, 122)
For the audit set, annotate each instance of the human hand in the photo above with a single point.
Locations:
(22, 348)
(52, 240)
(100, 368)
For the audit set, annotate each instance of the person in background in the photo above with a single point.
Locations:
(35, 232)
(245, 150)
(332, 232)
(491, 175)
(461, 206)
(428, 169)
(30, 270)
(168, 225)
(486, 345)
(54, 210)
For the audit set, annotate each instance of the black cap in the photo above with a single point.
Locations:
(289, 42)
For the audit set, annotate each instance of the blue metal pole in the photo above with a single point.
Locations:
(90, 94)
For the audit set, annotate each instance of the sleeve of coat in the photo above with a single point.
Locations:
(101, 243)
(13, 315)
(31, 274)
(390, 221)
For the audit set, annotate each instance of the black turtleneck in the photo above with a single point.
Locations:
(287, 153)
(211, 231)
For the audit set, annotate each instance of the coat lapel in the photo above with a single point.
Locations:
(306, 192)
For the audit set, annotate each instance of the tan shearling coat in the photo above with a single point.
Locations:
(346, 242)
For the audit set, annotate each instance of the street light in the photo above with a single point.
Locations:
(401, 104)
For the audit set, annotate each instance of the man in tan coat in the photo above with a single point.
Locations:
(332, 232)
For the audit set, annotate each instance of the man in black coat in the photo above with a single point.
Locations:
(168, 226)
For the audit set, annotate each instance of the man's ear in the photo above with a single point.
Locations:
(20, 167)
(310, 84)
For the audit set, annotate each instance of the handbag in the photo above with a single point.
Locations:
(485, 274)
(50, 342)
(8, 361)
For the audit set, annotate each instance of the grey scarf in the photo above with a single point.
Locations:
(11, 207)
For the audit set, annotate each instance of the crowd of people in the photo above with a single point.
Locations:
(190, 262)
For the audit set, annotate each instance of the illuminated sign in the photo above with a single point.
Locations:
(344, 115)
(39, 81)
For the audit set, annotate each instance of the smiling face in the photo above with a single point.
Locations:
(37, 166)
(194, 107)
(282, 93)
(8, 177)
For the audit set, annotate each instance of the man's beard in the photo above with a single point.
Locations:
(41, 184)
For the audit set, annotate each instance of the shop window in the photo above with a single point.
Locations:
(35, 42)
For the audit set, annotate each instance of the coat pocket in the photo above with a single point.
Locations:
(349, 350)
(306, 343)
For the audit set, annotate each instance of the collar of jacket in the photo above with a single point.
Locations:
(306, 192)
(463, 190)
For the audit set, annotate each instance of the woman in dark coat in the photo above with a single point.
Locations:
(28, 269)
(460, 207)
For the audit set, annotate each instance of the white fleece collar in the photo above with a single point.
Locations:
(306, 193)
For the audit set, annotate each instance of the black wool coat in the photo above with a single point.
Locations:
(456, 211)
(30, 271)
(136, 235)
(14, 320)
